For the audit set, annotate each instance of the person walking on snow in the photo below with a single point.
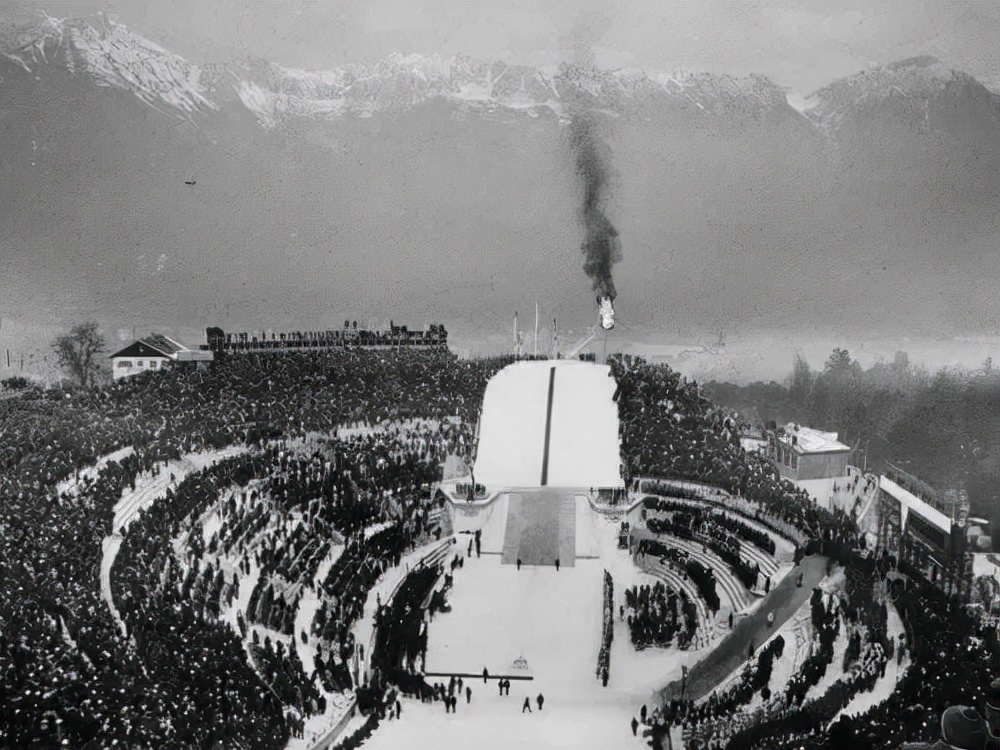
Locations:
(557, 565)
(526, 706)
(468, 695)
(541, 700)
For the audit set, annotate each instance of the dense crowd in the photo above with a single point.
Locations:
(69, 672)
(658, 614)
(690, 523)
(701, 576)
(607, 629)
(710, 721)
(670, 431)
(175, 671)
(826, 628)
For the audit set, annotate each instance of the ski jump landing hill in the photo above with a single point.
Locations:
(549, 423)
(548, 433)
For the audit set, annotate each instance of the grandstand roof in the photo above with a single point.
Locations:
(911, 502)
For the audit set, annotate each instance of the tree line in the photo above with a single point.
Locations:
(940, 426)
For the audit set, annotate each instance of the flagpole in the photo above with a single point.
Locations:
(535, 353)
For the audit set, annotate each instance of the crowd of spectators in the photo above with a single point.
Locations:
(669, 431)
(345, 590)
(658, 614)
(68, 672)
(607, 629)
(702, 577)
(180, 676)
(690, 523)
(826, 628)
(709, 722)
(670, 435)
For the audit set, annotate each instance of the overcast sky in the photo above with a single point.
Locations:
(668, 180)
(801, 45)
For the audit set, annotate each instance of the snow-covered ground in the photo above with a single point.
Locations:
(308, 606)
(834, 492)
(982, 565)
(491, 519)
(149, 487)
(553, 621)
(248, 582)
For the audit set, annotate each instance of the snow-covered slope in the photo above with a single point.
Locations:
(909, 89)
(113, 56)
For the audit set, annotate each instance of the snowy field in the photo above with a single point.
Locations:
(583, 440)
(553, 621)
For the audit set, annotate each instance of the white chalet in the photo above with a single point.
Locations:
(154, 353)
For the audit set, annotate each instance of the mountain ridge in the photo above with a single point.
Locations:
(741, 212)
(276, 94)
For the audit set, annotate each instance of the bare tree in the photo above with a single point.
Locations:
(78, 353)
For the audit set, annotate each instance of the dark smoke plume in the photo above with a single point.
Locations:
(601, 249)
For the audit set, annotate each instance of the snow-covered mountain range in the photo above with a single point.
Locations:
(113, 56)
(279, 197)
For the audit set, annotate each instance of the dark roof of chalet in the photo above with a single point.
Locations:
(140, 349)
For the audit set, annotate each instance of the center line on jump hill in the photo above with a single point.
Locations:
(548, 427)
